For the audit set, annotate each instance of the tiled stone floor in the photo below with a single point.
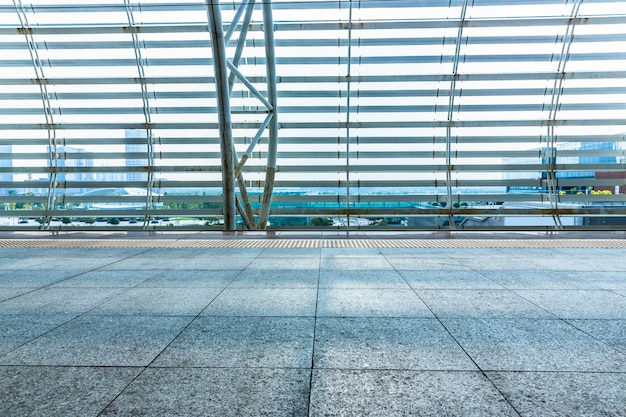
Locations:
(253, 331)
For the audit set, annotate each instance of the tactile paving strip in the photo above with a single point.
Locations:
(314, 243)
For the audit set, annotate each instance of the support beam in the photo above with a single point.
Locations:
(452, 95)
(268, 29)
(223, 105)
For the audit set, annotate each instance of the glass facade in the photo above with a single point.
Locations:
(481, 115)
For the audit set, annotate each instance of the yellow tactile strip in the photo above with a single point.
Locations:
(314, 243)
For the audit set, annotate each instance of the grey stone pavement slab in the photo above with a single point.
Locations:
(28, 278)
(106, 278)
(384, 393)
(100, 341)
(448, 279)
(368, 302)
(60, 391)
(387, 343)
(249, 331)
(191, 278)
(158, 302)
(279, 302)
(361, 278)
(533, 345)
(556, 394)
(279, 342)
(578, 304)
(57, 301)
(465, 303)
(215, 392)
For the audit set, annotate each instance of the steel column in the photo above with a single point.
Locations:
(268, 29)
(557, 90)
(146, 109)
(223, 105)
(455, 74)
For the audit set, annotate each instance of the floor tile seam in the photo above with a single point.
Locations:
(30, 340)
(4, 365)
(200, 367)
(597, 339)
(549, 372)
(314, 338)
(258, 316)
(546, 308)
(513, 291)
(412, 370)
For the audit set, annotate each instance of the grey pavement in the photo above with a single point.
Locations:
(232, 331)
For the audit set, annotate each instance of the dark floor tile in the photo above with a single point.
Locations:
(60, 391)
(215, 392)
(100, 341)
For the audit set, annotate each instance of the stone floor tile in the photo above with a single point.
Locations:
(387, 343)
(16, 330)
(264, 302)
(356, 263)
(277, 278)
(58, 301)
(285, 264)
(101, 278)
(191, 278)
(425, 263)
(579, 304)
(538, 279)
(187, 392)
(387, 393)
(8, 293)
(242, 342)
(448, 279)
(158, 302)
(368, 302)
(211, 262)
(611, 332)
(362, 278)
(147, 263)
(36, 278)
(60, 391)
(480, 304)
(607, 280)
(556, 394)
(100, 341)
(533, 345)
(567, 263)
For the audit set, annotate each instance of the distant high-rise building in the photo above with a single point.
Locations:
(73, 162)
(136, 148)
(5, 162)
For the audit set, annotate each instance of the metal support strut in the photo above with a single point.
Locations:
(232, 166)
(223, 106)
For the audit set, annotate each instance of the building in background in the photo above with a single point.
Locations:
(5, 162)
(136, 148)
